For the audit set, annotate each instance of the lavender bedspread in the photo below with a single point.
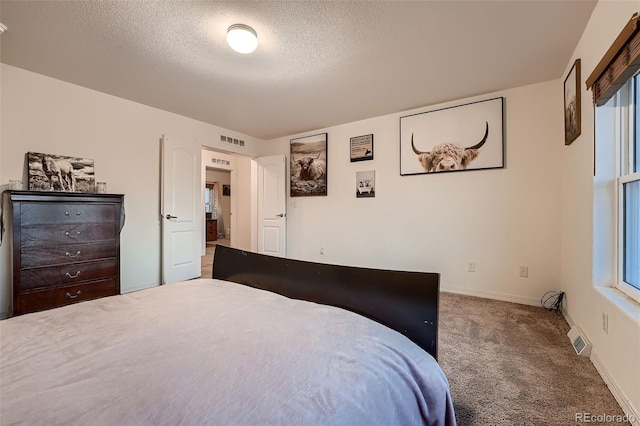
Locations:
(213, 352)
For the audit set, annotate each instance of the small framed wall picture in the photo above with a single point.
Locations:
(362, 148)
(572, 113)
(366, 184)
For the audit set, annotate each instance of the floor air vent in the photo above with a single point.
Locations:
(579, 342)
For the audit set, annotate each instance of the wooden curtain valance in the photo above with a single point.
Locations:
(618, 65)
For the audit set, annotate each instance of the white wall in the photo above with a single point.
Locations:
(246, 205)
(500, 219)
(42, 114)
(588, 227)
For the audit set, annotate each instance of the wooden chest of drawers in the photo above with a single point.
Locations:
(66, 248)
(212, 230)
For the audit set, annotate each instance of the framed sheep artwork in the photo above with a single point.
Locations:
(453, 139)
(48, 172)
(308, 170)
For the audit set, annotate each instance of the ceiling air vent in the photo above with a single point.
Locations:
(229, 139)
(220, 161)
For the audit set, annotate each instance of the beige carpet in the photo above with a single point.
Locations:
(511, 364)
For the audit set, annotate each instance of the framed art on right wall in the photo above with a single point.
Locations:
(572, 126)
(458, 138)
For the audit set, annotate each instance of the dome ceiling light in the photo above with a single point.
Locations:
(242, 38)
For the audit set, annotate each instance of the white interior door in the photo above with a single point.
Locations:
(181, 210)
(272, 205)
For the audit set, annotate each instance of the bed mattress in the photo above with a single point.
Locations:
(208, 351)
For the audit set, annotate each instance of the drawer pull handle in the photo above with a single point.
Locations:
(71, 236)
(74, 275)
(68, 214)
(73, 255)
(78, 293)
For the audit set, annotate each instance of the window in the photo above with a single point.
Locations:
(629, 188)
(615, 81)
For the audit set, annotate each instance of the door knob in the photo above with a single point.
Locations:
(171, 217)
(280, 215)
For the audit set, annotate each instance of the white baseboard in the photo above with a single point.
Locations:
(625, 404)
(567, 317)
(523, 300)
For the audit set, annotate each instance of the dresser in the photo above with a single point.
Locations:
(66, 248)
(212, 229)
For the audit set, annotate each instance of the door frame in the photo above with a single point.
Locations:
(233, 180)
(250, 222)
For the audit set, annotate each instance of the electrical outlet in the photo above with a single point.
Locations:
(471, 267)
(524, 271)
(605, 322)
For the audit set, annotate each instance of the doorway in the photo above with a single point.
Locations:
(218, 204)
(217, 208)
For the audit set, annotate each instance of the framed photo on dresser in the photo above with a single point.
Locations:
(50, 172)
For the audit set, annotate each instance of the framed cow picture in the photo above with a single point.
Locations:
(49, 172)
(453, 139)
(308, 171)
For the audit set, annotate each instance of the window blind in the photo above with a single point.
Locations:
(618, 65)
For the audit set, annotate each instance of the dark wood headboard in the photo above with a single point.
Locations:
(404, 301)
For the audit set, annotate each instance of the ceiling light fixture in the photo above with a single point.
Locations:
(242, 38)
(3, 28)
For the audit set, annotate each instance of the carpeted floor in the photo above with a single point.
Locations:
(512, 364)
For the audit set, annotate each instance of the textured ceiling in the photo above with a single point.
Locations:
(318, 64)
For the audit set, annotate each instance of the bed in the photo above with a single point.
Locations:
(265, 341)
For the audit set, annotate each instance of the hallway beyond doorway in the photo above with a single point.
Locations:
(206, 264)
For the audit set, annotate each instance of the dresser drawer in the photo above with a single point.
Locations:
(52, 235)
(54, 276)
(57, 213)
(62, 254)
(60, 296)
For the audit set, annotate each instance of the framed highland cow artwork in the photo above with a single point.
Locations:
(453, 139)
(308, 174)
(48, 172)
